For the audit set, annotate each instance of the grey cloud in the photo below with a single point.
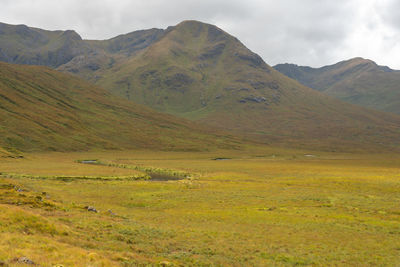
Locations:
(305, 33)
(389, 12)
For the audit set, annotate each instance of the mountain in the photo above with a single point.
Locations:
(106, 54)
(24, 45)
(197, 71)
(358, 81)
(42, 109)
(20, 44)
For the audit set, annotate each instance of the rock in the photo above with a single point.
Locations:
(273, 85)
(178, 80)
(258, 85)
(92, 66)
(18, 189)
(256, 99)
(92, 209)
(213, 52)
(252, 59)
(25, 260)
(111, 213)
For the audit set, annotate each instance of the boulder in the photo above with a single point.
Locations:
(92, 209)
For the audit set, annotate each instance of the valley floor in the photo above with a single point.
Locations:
(259, 207)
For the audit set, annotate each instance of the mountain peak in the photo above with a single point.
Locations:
(195, 29)
(359, 61)
(367, 62)
(192, 23)
(71, 34)
(358, 81)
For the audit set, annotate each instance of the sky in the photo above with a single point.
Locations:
(304, 32)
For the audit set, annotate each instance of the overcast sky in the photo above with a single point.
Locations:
(305, 32)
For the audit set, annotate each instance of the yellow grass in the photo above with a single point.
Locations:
(264, 207)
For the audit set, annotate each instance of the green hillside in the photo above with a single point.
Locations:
(358, 81)
(200, 72)
(42, 109)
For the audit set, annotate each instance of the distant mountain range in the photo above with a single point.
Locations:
(358, 81)
(199, 72)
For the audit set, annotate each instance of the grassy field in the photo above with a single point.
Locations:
(258, 207)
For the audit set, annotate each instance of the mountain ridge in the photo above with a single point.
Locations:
(357, 81)
(233, 88)
(199, 72)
